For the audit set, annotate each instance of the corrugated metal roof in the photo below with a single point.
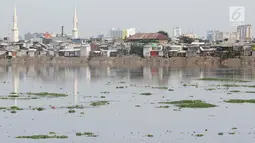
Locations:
(148, 36)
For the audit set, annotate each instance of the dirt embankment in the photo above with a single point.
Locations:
(130, 61)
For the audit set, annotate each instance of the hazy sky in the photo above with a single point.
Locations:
(98, 16)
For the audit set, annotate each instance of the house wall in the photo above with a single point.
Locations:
(21, 53)
(85, 50)
(146, 51)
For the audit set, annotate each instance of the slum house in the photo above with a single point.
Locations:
(207, 50)
(148, 38)
(153, 50)
(176, 51)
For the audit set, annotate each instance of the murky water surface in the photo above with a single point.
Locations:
(129, 117)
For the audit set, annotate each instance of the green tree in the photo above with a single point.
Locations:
(163, 32)
(185, 39)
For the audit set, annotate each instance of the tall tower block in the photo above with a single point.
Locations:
(15, 30)
(75, 25)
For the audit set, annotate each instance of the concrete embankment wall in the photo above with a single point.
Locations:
(130, 61)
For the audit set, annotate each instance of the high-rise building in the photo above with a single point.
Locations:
(121, 33)
(15, 30)
(214, 35)
(75, 25)
(177, 32)
(244, 32)
(128, 32)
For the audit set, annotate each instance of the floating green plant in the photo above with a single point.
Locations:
(164, 88)
(222, 79)
(210, 89)
(38, 108)
(234, 128)
(120, 87)
(231, 133)
(75, 107)
(150, 135)
(170, 89)
(99, 103)
(13, 111)
(220, 134)
(164, 106)
(71, 111)
(240, 101)
(42, 137)
(105, 92)
(15, 108)
(88, 134)
(52, 133)
(250, 92)
(3, 108)
(13, 96)
(190, 104)
(199, 135)
(146, 94)
(235, 91)
(102, 96)
(48, 94)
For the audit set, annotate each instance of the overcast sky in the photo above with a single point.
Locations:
(98, 16)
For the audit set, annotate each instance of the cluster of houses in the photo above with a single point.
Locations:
(154, 45)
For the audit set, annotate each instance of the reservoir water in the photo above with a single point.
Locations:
(134, 113)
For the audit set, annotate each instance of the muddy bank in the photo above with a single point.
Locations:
(130, 61)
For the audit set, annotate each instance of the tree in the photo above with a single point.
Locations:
(185, 39)
(164, 33)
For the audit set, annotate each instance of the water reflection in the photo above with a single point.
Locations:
(149, 75)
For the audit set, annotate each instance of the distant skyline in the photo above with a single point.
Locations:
(96, 17)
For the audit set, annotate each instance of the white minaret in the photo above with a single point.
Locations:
(15, 30)
(75, 24)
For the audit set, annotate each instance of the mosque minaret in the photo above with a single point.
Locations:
(75, 25)
(15, 30)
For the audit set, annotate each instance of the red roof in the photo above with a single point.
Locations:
(148, 36)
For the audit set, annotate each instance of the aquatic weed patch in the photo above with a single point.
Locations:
(240, 101)
(76, 107)
(163, 88)
(15, 108)
(99, 103)
(222, 79)
(45, 94)
(190, 104)
(88, 134)
(150, 135)
(39, 109)
(42, 137)
(146, 94)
